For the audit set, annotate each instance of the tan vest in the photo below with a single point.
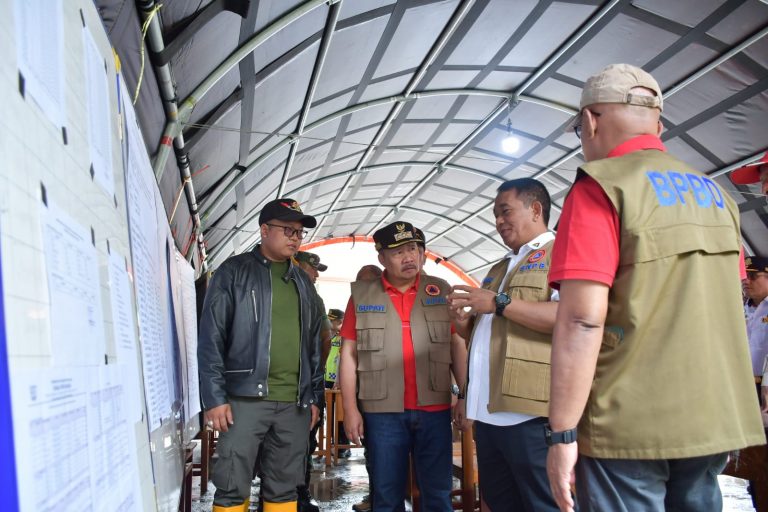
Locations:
(519, 357)
(380, 345)
(673, 376)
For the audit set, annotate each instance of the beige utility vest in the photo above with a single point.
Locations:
(380, 345)
(519, 357)
(673, 375)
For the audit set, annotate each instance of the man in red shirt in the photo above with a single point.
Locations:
(642, 239)
(398, 346)
(753, 173)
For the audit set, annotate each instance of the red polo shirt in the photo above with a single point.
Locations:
(403, 303)
(587, 242)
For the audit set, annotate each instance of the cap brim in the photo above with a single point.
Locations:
(307, 221)
(398, 244)
(321, 267)
(747, 175)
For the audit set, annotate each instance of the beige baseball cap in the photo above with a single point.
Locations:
(613, 85)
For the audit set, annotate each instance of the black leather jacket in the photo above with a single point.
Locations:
(235, 325)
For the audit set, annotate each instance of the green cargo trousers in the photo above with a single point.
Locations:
(281, 429)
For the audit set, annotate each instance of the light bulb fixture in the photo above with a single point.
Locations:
(510, 144)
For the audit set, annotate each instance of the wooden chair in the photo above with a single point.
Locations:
(325, 432)
(185, 500)
(465, 469)
(203, 468)
(336, 417)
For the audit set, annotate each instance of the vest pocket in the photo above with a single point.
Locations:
(440, 367)
(439, 332)
(532, 287)
(370, 339)
(371, 375)
(527, 370)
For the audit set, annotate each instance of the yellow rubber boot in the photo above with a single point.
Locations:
(243, 507)
(288, 506)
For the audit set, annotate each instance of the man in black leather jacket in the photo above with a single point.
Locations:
(259, 354)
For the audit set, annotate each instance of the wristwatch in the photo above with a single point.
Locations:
(564, 437)
(456, 391)
(502, 301)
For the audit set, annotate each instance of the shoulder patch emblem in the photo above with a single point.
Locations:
(432, 289)
(533, 258)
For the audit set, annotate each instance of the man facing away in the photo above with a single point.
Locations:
(397, 343)
(649, 354)
(509, 327)
(261, 378)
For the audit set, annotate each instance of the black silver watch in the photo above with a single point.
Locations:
(564, 437)
(455, 390)
(502, 301)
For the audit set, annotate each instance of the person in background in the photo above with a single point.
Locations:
(642, 238)
(259, 354)
(757, 172)
(336, 316)
(398, 345)
(510, 323)
(756, 288)
(309, 262)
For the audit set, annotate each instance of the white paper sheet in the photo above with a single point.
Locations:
(125, 336)
(76, 446)
(189, 302)
(77, 325)
(149, 272)
(39, 28)
(50, 424)
(99, 114)
(111, 442)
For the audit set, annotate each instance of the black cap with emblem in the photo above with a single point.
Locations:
(396, 234)
(756, 264)
(285, 209)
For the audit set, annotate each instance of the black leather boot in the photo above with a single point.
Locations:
(306, 503)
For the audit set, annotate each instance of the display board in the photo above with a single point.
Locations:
(97, 327)
(8, 461)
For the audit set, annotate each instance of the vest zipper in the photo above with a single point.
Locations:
(256, 323)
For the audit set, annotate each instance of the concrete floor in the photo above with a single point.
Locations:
(337, 488)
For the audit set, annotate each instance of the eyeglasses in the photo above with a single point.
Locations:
(290, 232)
(577, 128)
(752, 276)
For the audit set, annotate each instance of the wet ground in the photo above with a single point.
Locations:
(337, 488)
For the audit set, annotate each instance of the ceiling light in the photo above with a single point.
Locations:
(510, 144)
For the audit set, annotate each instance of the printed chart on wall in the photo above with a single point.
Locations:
(150, 274)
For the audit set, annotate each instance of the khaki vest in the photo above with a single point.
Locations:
(519, 357)
(673, 377)
(380, 345)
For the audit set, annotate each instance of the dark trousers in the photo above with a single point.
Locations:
(390, 439)
(672, 485)
(512, 466)
(279, 429)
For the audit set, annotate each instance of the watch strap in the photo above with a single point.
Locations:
(564, 437)
(501, 305)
